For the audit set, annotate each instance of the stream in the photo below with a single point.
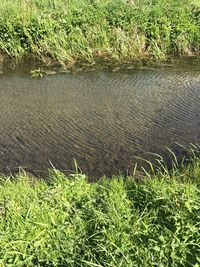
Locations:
(106, 121)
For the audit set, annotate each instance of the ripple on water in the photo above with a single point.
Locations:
(101, 119)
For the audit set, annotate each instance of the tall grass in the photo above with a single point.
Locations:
(72, 30)
(68, 221)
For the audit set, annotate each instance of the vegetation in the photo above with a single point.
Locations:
(68, 221)
(90, 30)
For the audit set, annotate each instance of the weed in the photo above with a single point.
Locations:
(118, 222)
(69, 30)
(36, 73)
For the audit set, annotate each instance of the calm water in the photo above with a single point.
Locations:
(102, 119)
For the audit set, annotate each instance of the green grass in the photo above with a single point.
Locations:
(68, 221)
(70, 31)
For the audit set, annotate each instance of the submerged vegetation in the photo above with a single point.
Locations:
(68, 31)
(68, 221)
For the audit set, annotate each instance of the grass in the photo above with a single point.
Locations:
(69, 31)
(67, 221)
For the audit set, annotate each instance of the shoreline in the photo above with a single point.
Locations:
(32, 63)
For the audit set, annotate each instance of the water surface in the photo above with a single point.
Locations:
(102, 119)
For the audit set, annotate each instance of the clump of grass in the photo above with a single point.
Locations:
(37, 73)
(69, 30)
(68, 221)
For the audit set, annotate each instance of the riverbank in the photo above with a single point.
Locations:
(119, 222)
(91, 31)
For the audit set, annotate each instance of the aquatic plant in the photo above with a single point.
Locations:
(37, 73)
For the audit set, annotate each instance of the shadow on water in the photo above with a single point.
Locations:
(102, 119)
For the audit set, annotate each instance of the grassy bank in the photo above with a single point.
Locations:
(117, 222)
(74, 30)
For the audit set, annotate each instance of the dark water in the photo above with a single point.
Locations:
(102, 119)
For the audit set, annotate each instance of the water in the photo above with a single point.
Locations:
(102, 119)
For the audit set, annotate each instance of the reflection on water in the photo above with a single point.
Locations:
(101, 119)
